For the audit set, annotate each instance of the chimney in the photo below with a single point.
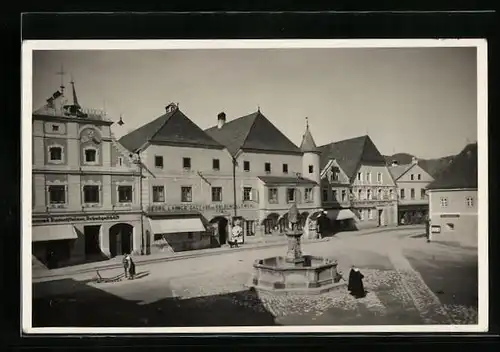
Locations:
(394, 163)
(221, 119)
(170, 107)
(414, 160)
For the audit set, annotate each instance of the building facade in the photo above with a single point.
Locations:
(413, 202)
(372, 190)
(270, 173)
(187, 193)
(453, 201)
(85, 201)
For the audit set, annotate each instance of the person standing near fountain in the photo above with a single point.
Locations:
(355, 285)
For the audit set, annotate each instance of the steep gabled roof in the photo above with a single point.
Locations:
(461, 173)
(252, 132)
(349, 153)
(173, 128)
(398, 170)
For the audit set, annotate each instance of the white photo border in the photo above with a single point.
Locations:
(26, 170)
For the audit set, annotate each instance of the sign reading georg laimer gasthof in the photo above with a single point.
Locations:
(62, 219)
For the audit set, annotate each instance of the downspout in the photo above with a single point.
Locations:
(234, 188)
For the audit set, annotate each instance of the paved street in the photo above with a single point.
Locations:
(408, 280)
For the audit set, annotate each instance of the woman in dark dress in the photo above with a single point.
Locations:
(131, 269)
(355, 284)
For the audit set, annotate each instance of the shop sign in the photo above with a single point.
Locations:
(220, 208)
(436, 229)
(60, 219)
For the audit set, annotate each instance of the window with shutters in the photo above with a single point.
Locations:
(273, 196)
(308, 195)
(247, 193)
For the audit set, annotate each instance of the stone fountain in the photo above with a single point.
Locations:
(296, 273)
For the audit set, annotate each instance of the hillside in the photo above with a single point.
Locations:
(432, 166)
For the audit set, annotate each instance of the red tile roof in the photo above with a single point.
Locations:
(349, 153)
(252, 132)
(461, 173)
(172, 128)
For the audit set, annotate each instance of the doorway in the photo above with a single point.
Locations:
(220, 228)
(91, 234)
(380, 217)
(120, 239)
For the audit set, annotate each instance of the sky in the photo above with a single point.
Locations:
(421, 101)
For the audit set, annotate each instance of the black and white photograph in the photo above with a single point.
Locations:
(254, 186)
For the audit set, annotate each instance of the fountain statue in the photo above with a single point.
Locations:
(296, 273)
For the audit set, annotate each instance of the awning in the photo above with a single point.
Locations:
(340, 214)
(53, 233)
(177, 225)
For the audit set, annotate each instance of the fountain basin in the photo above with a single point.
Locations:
(310, 275)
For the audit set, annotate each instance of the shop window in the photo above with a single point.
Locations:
(186, 194)
(250, 227)
(216, 194)
(124, 194)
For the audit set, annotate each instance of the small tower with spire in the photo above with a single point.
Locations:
(311, 156)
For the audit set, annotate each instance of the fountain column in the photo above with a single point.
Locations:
(293, 234)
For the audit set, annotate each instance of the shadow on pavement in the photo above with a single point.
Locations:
(88, 306)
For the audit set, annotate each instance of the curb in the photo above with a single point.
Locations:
(205, 254)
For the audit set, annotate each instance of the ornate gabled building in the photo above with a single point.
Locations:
(270, 172)
(411, 181)
(85, 201)
(453, 200)
(372, 191)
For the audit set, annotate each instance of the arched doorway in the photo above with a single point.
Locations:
(120, 239)
(303, 219)
(220, 228)
(270, 223)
